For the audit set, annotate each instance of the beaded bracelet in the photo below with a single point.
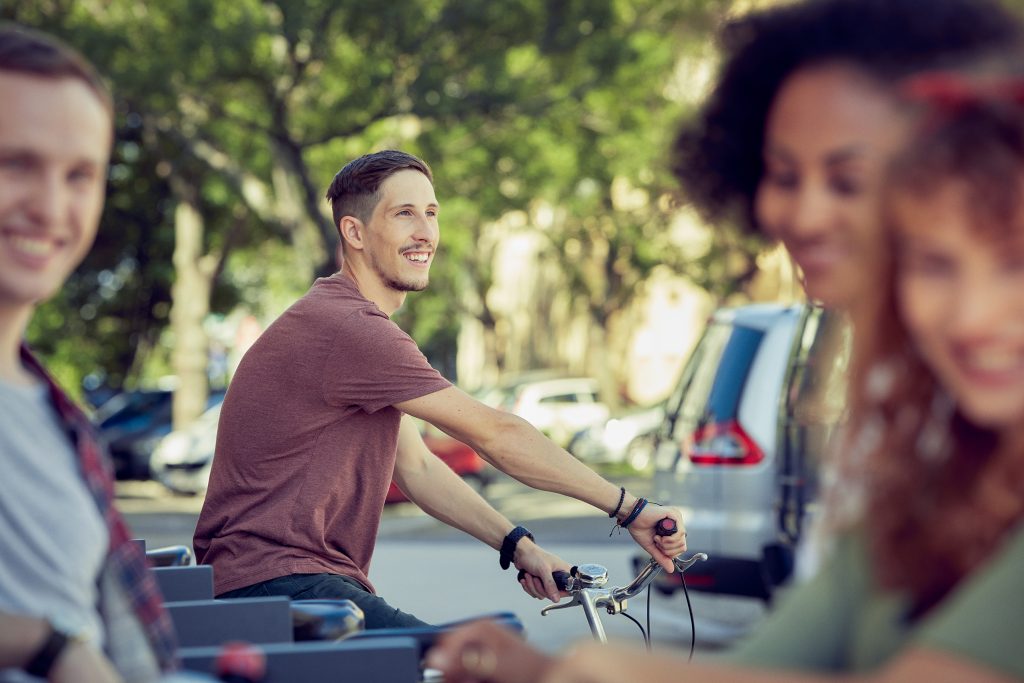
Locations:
(638, 507)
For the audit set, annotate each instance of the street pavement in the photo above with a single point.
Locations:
(440, 574)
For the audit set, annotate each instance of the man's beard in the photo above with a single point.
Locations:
(405, 286)
(395, 284)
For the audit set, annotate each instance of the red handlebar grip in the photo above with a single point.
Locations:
(240, 661)
(665, 527)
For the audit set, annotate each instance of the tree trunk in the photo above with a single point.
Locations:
(190, 296)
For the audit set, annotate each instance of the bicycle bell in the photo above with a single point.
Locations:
(591, 575)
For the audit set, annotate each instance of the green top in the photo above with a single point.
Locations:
(841, 621)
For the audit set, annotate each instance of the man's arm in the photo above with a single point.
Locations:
(442, 494)
(517, 448)
(22, 636)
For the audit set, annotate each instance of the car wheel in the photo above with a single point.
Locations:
(177, 490)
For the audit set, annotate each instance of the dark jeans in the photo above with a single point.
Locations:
(378, 613)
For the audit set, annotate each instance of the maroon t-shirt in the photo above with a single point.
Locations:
(307, 440)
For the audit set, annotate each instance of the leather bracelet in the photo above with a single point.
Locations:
(638, 507)
(622, 497)
(46, 656)
(508, 546)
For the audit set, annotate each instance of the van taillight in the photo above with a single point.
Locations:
(723, 443)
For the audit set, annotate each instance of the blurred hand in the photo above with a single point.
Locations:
(483, 652)
(82, 663)
(601, 663)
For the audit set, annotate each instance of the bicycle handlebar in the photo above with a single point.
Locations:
(586, 584)
(562, 579)
(586, 587)
(665, 527)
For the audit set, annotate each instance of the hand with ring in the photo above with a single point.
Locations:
(483, 652)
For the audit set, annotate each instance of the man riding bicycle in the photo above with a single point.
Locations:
(313, 427)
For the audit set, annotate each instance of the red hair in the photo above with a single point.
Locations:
(939, 492)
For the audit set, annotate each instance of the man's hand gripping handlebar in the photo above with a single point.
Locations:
(585, 584)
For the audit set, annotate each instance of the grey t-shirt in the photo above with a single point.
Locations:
(53, 538)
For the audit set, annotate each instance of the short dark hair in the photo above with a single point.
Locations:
(355, 189)
(26, 51)
(718, 155)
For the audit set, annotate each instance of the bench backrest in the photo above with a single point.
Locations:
(213, 622)
(185, 583)
(381, 660)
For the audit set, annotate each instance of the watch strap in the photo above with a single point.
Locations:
(46, 656)
(508, 546)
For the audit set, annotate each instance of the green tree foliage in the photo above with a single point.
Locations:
(247, 108)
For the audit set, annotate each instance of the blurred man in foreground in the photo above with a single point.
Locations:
(76, 600)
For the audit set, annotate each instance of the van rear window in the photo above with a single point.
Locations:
(715, 385)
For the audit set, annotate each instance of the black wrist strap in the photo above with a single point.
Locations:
(508, 546)
(46, 656)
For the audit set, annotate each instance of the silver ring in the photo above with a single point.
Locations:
(478, 660)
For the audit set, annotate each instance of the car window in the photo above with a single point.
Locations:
(714, 390)
(690, 369)
(817, 389)
(704, 365)
(560, 398)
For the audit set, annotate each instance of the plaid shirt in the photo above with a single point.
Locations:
(125, 560)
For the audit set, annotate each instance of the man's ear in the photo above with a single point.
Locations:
(351, 230)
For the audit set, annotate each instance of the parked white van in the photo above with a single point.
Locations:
(743, 438)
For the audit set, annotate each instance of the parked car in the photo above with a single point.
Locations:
(742, 441)
(183, 459)
(558, 406)
(132, 423)
(457, 455)
(626, 438)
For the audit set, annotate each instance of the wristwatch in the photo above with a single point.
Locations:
(508, 546)
(57, 640)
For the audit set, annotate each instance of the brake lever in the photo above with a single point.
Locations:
(573, 602)
(683, 565)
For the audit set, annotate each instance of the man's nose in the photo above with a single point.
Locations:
(48, 197)
(426, 230)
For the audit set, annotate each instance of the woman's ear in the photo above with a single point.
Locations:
(351, 230)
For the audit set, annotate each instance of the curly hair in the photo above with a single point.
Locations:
(960, 487)
(717, 156)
